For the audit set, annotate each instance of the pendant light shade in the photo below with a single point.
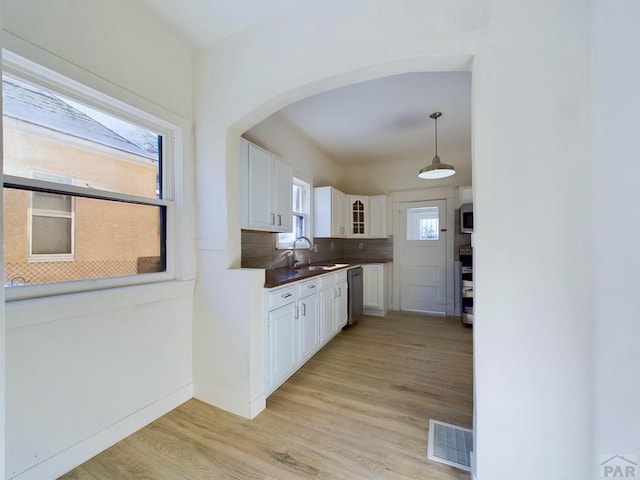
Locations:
(437, 169)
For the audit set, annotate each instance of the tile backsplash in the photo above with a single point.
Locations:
(259, 250)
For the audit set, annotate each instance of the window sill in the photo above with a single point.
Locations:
(51, 258)
(23, 313)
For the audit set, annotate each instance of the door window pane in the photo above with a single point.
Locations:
(423, 223)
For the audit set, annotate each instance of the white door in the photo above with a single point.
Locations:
(260, 171)
(338, 210)
(341, 312)
(283, 343)
(282, 196)
(422, 256)
(326, 313)
(309, 322)
(373, 285)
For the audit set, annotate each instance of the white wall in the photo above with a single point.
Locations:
(83, 371)
(616, 167)
(115, 40)
(531, 97)
(401, 175)
(531, 145)
(278, 136)
(241, 81)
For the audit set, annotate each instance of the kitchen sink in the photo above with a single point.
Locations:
(323, 266)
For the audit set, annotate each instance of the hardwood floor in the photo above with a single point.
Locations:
(359, 409)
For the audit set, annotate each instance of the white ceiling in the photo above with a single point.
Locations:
(203, 22)
(372, 121)
(388, 118)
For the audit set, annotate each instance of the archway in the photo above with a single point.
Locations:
(427, 64)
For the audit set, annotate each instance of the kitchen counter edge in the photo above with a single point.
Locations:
(282, 276)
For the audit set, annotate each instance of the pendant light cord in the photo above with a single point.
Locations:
(436, 119)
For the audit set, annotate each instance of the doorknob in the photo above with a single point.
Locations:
(443, 229)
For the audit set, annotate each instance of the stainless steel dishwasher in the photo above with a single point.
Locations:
(356, 302)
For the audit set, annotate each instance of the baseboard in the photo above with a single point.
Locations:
(231, 403)
(375, 312)
(79, 453)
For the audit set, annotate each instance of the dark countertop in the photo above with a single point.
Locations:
(282, 276)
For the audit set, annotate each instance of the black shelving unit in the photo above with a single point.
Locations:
(466, 261)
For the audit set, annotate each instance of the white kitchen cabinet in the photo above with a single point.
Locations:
(378, 216)
(308, 310)
(301, 318)
(282, 194)
(283, 345)
(333, 305)
(466, 195)
(326, 301)
(357, 216)
(329, 213)
(358, 212)
(340, 305)
(376, 288)
(266, 185)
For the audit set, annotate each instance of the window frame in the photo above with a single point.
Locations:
(32, 211)
(300, 181)
(40, 76)
(414, 227)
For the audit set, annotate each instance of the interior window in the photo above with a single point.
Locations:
(82, 190)
(301, 214)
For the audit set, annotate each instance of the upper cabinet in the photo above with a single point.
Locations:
(337, 215)
(466, 195)
(378, 216)
(266, 183)
(358, 216)
(329, 213)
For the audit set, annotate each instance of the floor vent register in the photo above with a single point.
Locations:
(450, 444)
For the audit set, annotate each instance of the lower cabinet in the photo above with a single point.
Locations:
(301, 318)
(333, 306)
(308, 310)
(283, 354)
(327, 300)
(376, 279)
(340, 306)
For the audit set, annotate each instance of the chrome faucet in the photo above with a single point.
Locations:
(294, 260)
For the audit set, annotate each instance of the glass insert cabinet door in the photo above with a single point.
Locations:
(359, 212)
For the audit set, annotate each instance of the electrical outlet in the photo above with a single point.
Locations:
(360, 245)
(331, 245)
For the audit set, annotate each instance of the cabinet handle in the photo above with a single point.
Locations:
(335, 293)
(311, 286)
(279, 220)
(339, 291)
(297, 313)
(273, 219)
(286, 295)
(304, 309)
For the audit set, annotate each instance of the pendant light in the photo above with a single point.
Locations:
(436, 169)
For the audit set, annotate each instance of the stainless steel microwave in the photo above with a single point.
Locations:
(466, 218)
